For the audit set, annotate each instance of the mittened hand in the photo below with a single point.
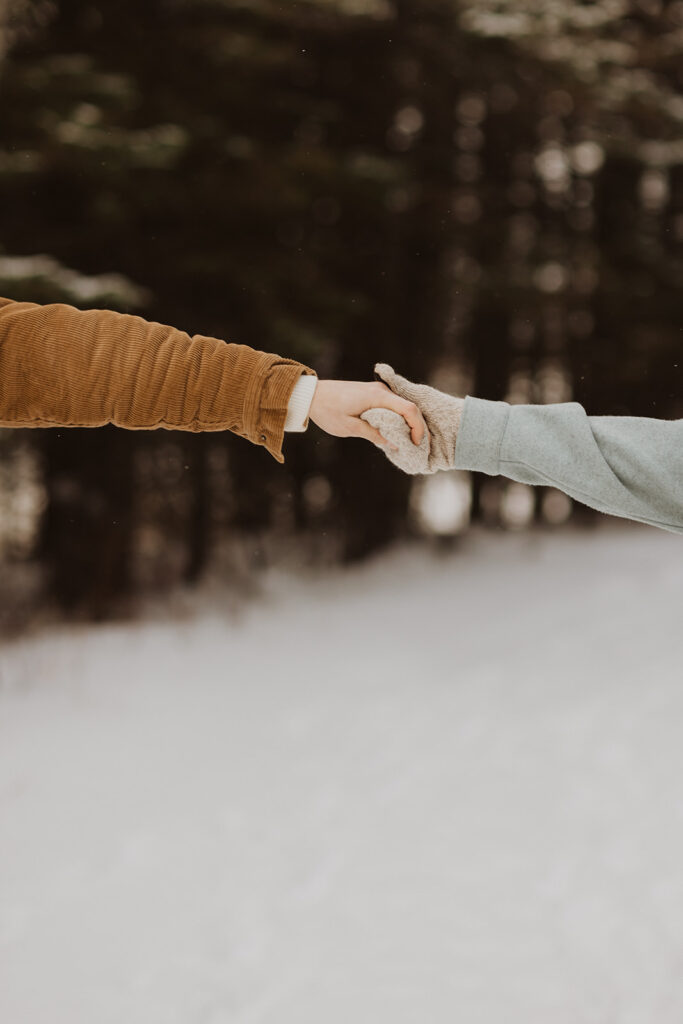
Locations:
(411, 458)
(441, 413)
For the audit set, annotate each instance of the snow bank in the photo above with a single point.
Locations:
(440, 787)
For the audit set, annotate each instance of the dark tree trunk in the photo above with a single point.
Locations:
(87, 525)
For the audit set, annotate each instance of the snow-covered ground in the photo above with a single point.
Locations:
(443, 787)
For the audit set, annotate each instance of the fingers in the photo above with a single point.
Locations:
(410, 412)
(401, 404)
(400, 385)
(386, 374)
(363, 429)
(338, 405)
(410, 393)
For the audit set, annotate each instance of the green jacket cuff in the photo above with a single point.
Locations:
(480, 435)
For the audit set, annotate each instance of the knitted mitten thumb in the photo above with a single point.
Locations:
(441, 413)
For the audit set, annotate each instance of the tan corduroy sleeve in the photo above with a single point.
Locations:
(61, 366)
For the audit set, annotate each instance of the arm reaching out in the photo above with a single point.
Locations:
(66, 367)
(62, 366)
(626, 466)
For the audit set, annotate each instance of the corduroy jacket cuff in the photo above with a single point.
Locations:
(266, 399)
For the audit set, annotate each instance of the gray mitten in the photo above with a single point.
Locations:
(441, 414)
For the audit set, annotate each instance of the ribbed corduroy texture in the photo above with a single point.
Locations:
(61, 366)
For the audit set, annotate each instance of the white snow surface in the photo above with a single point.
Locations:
(441, 787)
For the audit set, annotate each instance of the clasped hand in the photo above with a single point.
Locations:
(337, 407)
(415, 424)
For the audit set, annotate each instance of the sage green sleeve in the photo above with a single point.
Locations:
(626, 466)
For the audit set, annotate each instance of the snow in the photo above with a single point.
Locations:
(444, 786)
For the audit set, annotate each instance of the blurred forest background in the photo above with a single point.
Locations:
(487, 194)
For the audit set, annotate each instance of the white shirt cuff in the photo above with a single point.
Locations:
(300, 403)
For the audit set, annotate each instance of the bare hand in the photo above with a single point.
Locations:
(338, 404)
